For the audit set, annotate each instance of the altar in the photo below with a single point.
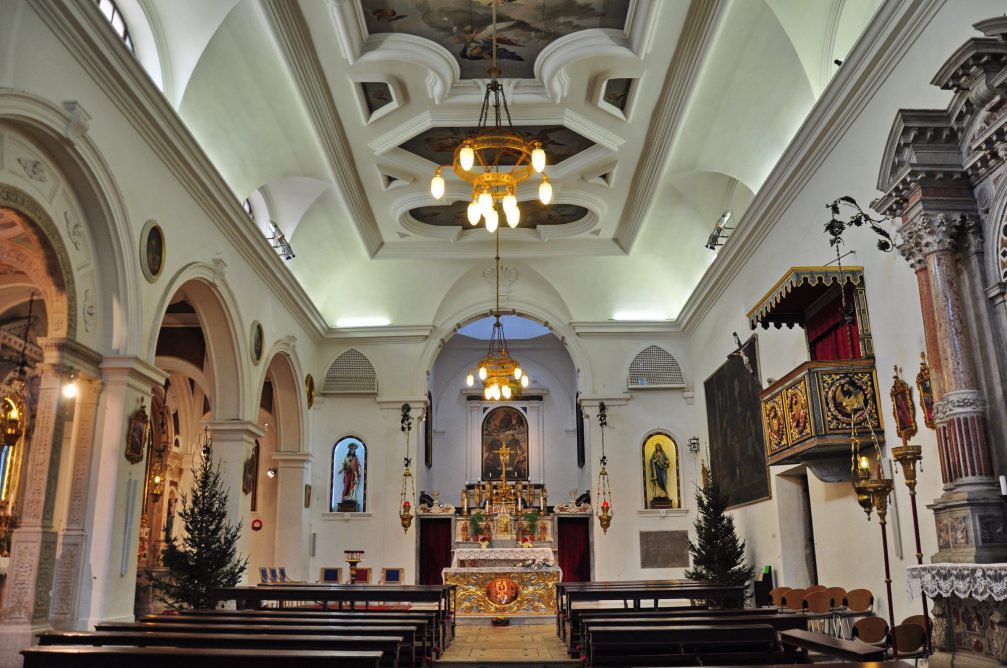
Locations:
(501, 581)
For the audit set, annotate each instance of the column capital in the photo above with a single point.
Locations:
(67, 353)
(929, 233)
(395, 405)
(292, 460)
(132, 370)
(234, 430)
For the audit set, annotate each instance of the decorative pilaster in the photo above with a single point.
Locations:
(293, 473)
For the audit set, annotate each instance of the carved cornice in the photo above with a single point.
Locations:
(960, 402)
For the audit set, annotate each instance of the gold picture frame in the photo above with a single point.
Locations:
(152, 250)
(903, 408)
(774, 424)
(137, 435)
(309, 389)
(926, 390)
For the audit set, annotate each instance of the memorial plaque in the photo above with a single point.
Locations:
(664, 549)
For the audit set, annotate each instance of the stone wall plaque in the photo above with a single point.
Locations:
(664, 549)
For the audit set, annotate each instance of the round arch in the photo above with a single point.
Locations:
(61, 134)
(205, 289)
(290, 408)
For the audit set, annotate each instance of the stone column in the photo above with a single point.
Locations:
(293, 473)
(72, 536)
(232, 445)
(969, 514)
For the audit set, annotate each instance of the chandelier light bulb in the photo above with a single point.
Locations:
(506, 391)
(538, 159)
(474, 213)
(518, 373)
(496, 392)
(470, 380)
(482, 373)
(488, 393)
(70, 389)
(524, 381)
(509, 202)
(513, 216)
(545, 191)
(492, 221)
(485, 201)
(437, 185)
(467, 158)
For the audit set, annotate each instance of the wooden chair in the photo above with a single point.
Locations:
(794, 599)
(777, 596)
(331, 574)
(924, 623)
(284, 578)
(871, 630)
(909, 640)
(392, 575)
(274, 575)
(818, 609)
(858, 603)
(264, 574)
(813, 588)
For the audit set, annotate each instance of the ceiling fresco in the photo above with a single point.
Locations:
(533, 214)
(463, 27)
(438, 144)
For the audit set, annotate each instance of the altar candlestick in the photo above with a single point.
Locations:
(541, 502)
(465, 501)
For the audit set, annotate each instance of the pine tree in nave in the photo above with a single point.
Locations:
(717, 554)
(207, 557)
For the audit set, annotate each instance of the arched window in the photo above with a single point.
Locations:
(349, 476)
(654, 368)
(111, 12)
(351, 373)
(660, 472)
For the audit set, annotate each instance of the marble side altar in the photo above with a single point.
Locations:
(502, 581)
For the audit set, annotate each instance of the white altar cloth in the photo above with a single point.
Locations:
(501, 556)
(978, 581)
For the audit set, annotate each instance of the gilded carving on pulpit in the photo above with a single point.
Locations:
(505, 425)
(660, 472)
(798, 415)
(349, 476)
(773, 425)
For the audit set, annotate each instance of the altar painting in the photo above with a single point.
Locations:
(501, 426)
(660, 472)
(734, 416)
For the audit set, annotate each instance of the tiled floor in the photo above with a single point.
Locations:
(486, 645)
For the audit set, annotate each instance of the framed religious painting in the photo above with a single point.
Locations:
(926, 391)
(903, 408)
(505, 443)
(152, 250)
(250, 472)
(309, 389)
(256, 342)
(137, 435)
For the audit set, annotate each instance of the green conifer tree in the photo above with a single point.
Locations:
(207, 557)
(717, 555)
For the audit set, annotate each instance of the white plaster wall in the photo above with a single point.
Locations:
(848, 547)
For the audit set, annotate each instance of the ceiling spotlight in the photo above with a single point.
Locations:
(718, 231)
(270, 473)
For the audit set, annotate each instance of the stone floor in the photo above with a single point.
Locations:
(486, 646)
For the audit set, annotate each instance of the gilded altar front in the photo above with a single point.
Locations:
(501, 590)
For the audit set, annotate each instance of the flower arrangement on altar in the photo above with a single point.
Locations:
(535, 563)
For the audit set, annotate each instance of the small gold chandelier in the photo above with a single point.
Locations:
(502, 377)
(496, 159)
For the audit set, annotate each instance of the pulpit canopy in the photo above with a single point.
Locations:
(790, 301)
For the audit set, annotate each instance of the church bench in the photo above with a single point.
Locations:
(578, 616)
(412, 644)
(426, 619)
(387, 645)
(839, 648)
(173, 657)
(684, 645)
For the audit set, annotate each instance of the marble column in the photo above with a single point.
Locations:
(232, 445)
(969, 514)
(293, 473)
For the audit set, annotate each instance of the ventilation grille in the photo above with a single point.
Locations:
(654, 367)
(351, 373)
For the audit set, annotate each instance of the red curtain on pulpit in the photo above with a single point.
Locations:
(574, 548)
(829, 336)
(435, 549)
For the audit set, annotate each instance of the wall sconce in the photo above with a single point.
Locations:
(70, 387)
(270, 473)
(694, 445)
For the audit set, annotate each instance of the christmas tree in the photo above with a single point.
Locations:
(717, 555)
(207, 557)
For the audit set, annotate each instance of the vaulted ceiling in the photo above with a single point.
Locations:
(657, 115)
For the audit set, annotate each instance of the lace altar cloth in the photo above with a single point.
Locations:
(501, 556)
(978, 581)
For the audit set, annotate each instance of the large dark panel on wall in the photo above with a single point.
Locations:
(428, 433)
(581, 446)
(733, 413)
(574, 548)
(664, 549)
(435, 548)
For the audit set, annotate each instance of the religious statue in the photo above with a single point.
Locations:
(350, 472)
(659, 464)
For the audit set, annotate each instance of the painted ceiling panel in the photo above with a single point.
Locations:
(533, 214)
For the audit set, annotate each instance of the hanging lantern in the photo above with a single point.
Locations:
(407, 496)
(604, 495)
(11, 421)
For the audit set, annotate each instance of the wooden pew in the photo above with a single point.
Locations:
(411, 640)
(387, 645)
(751, 644)
(173, 657)
(839, 648)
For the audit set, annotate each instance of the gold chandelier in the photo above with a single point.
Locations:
(501, 376)
(496, 159)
